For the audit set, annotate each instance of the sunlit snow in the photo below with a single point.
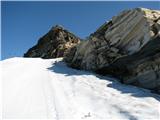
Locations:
(38, 88)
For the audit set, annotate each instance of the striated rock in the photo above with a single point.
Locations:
(141, 68)
(124, 35)
(129, 38)
(54, 44)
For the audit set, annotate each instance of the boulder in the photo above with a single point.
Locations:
(125, 47)
(54, 44)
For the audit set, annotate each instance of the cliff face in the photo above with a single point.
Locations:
(126, 47)
(54, 44)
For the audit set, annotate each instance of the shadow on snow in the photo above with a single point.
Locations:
(61, 68)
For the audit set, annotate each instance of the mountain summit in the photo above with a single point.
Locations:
(54, 44)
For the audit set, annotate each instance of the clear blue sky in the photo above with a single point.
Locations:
(23, 23)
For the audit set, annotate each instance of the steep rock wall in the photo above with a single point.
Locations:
(126, 47)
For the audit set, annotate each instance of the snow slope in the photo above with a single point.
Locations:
(37, 88)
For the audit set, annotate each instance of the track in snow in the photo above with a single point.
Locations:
(37, 88)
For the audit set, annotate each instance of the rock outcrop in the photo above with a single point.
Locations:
(54, 44)
(141, 68)
(126, 47)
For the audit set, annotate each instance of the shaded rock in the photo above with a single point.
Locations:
(54, 44)
(140, 69)
(130, 37)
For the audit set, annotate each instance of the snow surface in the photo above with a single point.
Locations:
(38, 88)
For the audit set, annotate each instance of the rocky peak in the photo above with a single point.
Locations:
(57, 27)
(53, 44)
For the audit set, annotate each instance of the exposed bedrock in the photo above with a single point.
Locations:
(54, 44)
(128, 47)
(141, 68)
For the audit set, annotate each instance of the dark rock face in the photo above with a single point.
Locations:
(140, 69)
(54, 44)
(127, 47)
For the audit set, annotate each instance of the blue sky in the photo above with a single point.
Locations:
(23, 23)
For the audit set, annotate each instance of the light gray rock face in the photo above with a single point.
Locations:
(123, 36)
(54, 44)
